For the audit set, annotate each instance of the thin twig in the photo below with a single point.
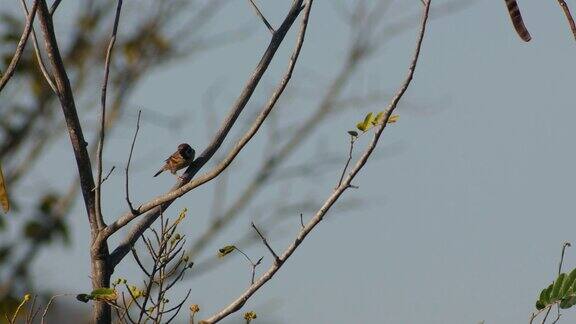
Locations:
(301, 221)
(564, 246)
(276, 258)
(566, 10)
(41, 64)
(98, 198)
(30, 313)
(241, 300)
(54, 7)
(546, 316)
(109, 173)
(106, 177)
(48, 306)
(140, 264)
(128, 163)
(20, 47)
(352, 140)
(259, 13)
(252, 264)
(178, 307)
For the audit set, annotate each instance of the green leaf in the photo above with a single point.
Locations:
(545, 295)
(539, 305)
(104, 294)
(567, 303)
(226, 250)
(367, 123)
(379, 119)
(568, 282)
(555, 294)
(136, 292)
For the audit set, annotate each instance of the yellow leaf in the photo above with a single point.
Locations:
(393, 119)
(250, 315)
(3, 193)
(379, 119)
(226, 250)
(366, 123)
(361, 126)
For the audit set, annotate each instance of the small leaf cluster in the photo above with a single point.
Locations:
(249, 316)
(373, 119)
(226, 250)
(562, 291)
(99, 294)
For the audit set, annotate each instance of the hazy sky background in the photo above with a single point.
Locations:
(463, 215)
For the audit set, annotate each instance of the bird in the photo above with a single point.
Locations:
(180, 159)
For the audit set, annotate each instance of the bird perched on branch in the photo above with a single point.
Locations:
(180, 159)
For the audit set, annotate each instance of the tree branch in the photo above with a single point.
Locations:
(276, 258)
(37, 52)
(517, 21)
(70, 114)
(54, 6)
(129, 160)
(568, 15)
(98, 194)
(20, 47)
(259, 13)
(243, 298)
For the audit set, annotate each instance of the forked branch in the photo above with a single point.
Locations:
(243, 298)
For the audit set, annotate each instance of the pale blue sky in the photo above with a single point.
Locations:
(464, 219)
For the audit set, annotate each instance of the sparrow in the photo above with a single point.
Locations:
(180, 159)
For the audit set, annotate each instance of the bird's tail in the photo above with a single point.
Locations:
(159, 171)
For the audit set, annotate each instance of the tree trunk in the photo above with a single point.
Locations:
(101, 273)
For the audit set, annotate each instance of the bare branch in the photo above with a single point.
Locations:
(106, 177)
(186, 185)
(259, 13)
(48, 306)
(517, 21)
(241, 300)
(38, 55)
(352, 139)
(20, 47)
(276, 258)
(568, 15)
(54, 7)
(98, 198)
(129, 160)
(70, 114)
